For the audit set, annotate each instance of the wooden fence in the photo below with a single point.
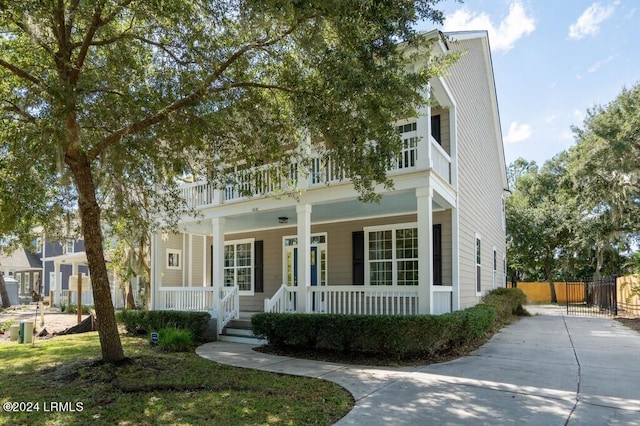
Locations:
(628, 293)
(540, 292)
(628, 302)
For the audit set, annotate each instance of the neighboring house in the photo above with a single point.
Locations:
(25, 267)
(60, 261)
(435, 243)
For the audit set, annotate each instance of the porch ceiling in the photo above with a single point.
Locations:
(396, 203)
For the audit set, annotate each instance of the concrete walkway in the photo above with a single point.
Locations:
(548, 369)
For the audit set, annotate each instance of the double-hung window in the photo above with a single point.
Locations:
(392, 255)
(478, 264)
(238, 265)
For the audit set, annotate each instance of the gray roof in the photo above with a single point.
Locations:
(22, 259)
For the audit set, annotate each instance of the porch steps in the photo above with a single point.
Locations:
(239, 331)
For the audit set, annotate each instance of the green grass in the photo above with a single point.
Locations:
(155, 388)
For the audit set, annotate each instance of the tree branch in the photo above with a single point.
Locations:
(186, 101)
(163, 48)
(21, 73)
(14, 108)
(91, 32)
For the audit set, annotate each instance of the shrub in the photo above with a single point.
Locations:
(144, 322)
(175, 340)
(73, 309)
(507, 302)
(395, 336)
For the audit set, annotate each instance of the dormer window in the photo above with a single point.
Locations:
(68, 247)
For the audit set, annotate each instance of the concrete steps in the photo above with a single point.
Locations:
(239, 331)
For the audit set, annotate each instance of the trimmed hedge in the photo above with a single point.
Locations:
(143, 322)
(399, 336)
(507, 302)
(392, 336)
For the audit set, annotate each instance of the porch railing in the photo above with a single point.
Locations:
(442, 299)
(229, 307)
(199, 194)
(441, 160)
(284, 300)
(278, 178)
(362, 300)
(185, 299)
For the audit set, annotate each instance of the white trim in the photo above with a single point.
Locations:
(184, 270)
(204, 261)
(190, 264)
(173, 256)
(320, 246)
(477, 274)
(251, 242)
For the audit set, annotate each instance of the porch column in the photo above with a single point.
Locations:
(455, 262)
(423, 161)
(424, 197)
(217, 261)
(55, 285)
(156, 270)
(304, 254)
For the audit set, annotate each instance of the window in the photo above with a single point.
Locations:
(174, 259)
(435, 129)
(38, 245)
(495, 267)
(238, 265)
(68, 247)
(478, 264)
(409, 136)
(393, 256)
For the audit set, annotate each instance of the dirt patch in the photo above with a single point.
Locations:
(54, 320)
(632, 323)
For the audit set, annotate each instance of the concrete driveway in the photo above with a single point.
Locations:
(548, 369)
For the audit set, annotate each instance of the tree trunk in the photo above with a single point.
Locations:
(4, 294)
(92, 232)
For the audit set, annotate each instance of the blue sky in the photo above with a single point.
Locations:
(552, 61)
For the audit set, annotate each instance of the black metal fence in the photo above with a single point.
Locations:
(592, 297)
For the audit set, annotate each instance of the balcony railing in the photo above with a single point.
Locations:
(441, 160)
(282, 178)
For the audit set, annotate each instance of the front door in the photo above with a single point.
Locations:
(291, 267)
(318, 262)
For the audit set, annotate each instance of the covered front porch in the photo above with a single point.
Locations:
(324, 253)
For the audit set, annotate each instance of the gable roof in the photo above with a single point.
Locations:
(21, 258)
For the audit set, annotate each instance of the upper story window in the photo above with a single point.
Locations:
(68, 247)
(409, 134)
(478, 264)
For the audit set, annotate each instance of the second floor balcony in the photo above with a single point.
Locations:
(321, 172)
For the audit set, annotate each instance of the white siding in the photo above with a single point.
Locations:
(480, 172)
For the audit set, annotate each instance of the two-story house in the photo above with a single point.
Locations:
(433, 244)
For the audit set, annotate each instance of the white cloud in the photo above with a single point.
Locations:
(550, 118)
(578, 115)
(566, 135)
(513, 27)
(518, 132)
(589, 22)
(593, 68)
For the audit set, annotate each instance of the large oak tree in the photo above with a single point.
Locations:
(125, 95)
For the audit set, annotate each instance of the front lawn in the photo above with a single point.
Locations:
(64, 377)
